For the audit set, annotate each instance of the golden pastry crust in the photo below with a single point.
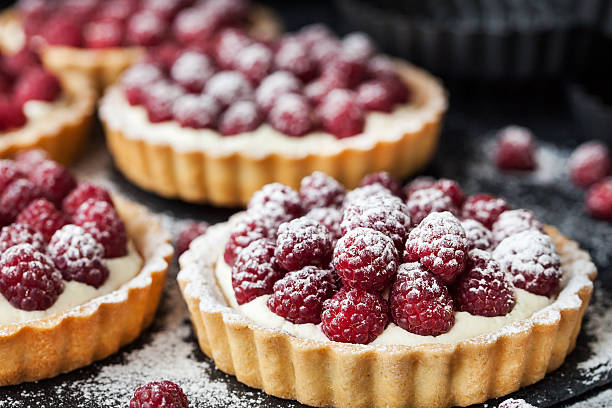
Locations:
(64, 133)
(61, 343)
(325, 373)
(230, 180)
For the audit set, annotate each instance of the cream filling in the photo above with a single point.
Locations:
(76, 293)
(466, 325)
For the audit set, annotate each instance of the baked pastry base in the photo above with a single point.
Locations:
(348, 375)
(60, 343)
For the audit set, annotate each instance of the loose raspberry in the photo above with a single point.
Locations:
(483, 289)
(55, 181)
(8, 173)
(440, 245)
(250, 227)
(228, 87)
(191, 70)
(278, 202)
(28, 278)
(302, 242)
(375, 95)
(137, 79)
(42, 215)
(423, 202)
(255, 271)
(240, 117)
(61, 31)
(159, 395)
(384, 179)
(28, 160)
(320, 190)
(317, 90)
(16, 234)
(484, 208)
(100, 219)
(145, 28)
(532, 260)
(254, 61)
(83, 192)
(293, 56)
(513, 222)
(599, 200)
(419, 183)
(291, 114)
(103, 34)
(275, 85)
(365, 259)
(516, 149)
(36, 84)
(299, 296)
(16, 197)
(478, 236)
(191, 232)
(340, 114)
(159, 100)
(11, 115)
(195, 24)
(419, 303)
(354, 316)
(451, 189)
(360, 194)
(78, 256)
(589, 163)
(195, 111)
(330, 218)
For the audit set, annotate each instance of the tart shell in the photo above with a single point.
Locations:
(229, 180)
(61, 343)
(326, 373)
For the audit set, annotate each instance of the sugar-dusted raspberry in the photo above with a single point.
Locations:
(137, 79)
(291, 114)
(20, 61)
(78, 256)
(36, 84)
(42, 215)
(293, 56)
(340, 114)
(484, 208)
(83, 192)
(344, 65)
(188, 234)
(354, 316)
(330, 218)
(362, 193)
(512, 222)
(426, 201)
(301, 242)
(11, 115)
(589, 163)
(55, 181)
(159, 395)
(483, 289)
(516, 149)
(164, 8)
(8, 173)
(254, 61)
(230, 42)
(29, 8)
(314, 33)
(599, 199)
(230, 12)
(452, 189)
(325, 50)
(255, 271)
(278, 202)
(27, 160)
(440, 245)
(419, 183)
(195, 111)
(191, 70)
(228, 87)
(419, 303)
(275, 85)
(164, 55)
(145, 28)
(194, 24)
(532, 260)
(15, 234)
(103, 34)
(61, 31)
(375, 95)
(28, 278)
(365, 259)
(384, 179)
(380, 66)
(400, 91)
(240, 117)
(250, 226)
(320, 190)
(358, 46)
(159, 100)
(100, 219)
(317, 90)
(478, 236)
(118, 10)
(299, 295)
(16, 197)
(515, 403)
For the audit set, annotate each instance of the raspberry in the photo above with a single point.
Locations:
(145, 28)
(344, 65)
(103, 34)
(230, 42)
(275, 85)
(589, 163)
(159, 100)
(515, 403)
(20, 61)
(531, 258)
(240, 117)
(360, 194)
(15, 234)
(291, 114)
(16, 197)
(293, 56)
(28, 278)
(358, 46)
(330, 218)
(419, 183)
(278, 202)
(302, 242)
(159, 395)
(164, 8)
(194, 24)
(60, 31)
(451, 189)
(83, 192)
(365, 259)
(426, 201)
(78, 256)
(320, 190)
(419, 303)
(400, 92)
(11, 115)
(36, 84)
(516, 149)
(191, 232)
(317, 90)
(249, 227)
(136, 80)
(195, 111)
(375, 96)
(384, 179)
(8, 173)
(484, 208)
(228, 87)
(254, 61)
(314, 33)
(255, 271)
(164, 55)
(483, 289)
(28, 160)
(191, 70)
(599, 200)
(55, 181)
(513, 222)
(341, 115)
(440, 245)
(100, 219)
(43, 217)
(325, 50)
(299, 296)
(354, 316)
(478, 236)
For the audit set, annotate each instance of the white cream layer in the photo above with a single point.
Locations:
(466, 325)
(76, 293)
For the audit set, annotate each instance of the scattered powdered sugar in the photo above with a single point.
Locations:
(597, 327)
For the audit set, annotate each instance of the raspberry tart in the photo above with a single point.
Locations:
(380, 310)
(81, 271)
(41, 110)
(101, 38)
(215, 126)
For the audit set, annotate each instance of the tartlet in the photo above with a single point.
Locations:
(314, 370)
